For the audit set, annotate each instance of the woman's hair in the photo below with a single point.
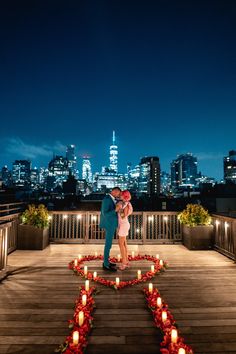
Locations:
(126, 195)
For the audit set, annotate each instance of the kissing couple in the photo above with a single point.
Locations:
(116, 208)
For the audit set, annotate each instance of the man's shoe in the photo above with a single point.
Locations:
(112, 264)
(109, 268)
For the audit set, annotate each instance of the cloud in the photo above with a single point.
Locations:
(17, 147)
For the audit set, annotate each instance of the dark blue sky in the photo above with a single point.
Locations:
(161, 73)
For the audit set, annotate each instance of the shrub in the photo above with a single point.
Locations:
(194, 215)
(36, 216)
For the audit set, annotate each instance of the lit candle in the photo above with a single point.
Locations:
(152, 268)
(157, 256)
(75, 262)
(139, 274)
(164, 316)
(85, 270)
(117, 281)
(159, 302)
(150, 287)
(95, 274)
(81, 318)
(132, 254)
(181, 351)
(161, 263)
(75, 337)
(118, 257)
(79, 257)
(174, 335)
(84, 300)
(87, 285)
(96, 254)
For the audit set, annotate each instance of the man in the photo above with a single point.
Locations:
(109, 222)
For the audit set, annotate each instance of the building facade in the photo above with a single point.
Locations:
(184, 171)
(149, 178)
(230, 167)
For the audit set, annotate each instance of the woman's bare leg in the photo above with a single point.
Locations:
(122, 249)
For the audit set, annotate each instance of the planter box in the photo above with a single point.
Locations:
(198, 237)
(32, 238)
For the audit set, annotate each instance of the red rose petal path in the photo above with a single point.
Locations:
(81, 323)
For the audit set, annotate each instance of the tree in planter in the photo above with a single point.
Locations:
(194, 215)
(36, 216)
(197, 228)
(33, 232)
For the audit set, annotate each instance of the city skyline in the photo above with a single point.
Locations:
(161, 74)
(60, 150)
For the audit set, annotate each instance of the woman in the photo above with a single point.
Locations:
(124, 226)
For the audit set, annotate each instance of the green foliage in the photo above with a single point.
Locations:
(194, 215)
(36, 216)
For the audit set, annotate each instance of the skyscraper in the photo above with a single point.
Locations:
(71, 157)
(58, 169)
(149, 178)
(21, 173)
(230, 167)
(184, 171)
(114, 154)
(87, 170)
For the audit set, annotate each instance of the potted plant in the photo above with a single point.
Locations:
(33, 232)
(197, 229)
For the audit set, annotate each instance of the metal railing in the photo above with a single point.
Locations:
(225, 235)
(145, 227)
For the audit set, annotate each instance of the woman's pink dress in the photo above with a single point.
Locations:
(123, 223)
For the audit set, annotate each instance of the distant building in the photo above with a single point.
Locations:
(87, 170)
(71, 158)
(133, 175)
(6, 176)
(149, 178)
(58, 168)
(34, 178)
(21, 173)
(230, 167)
(184, 171)
(114, 154)
(106, 181)
(165, 183)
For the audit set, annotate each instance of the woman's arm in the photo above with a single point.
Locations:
(128, 209)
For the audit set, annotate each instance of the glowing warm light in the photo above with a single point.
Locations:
(132, 254)
(85, 270)
(84, 300)
(164, 316)
(117, 281)
(151, 218)
(81, 318)
(159, 302)
(152, 268)
(87, 285)
(79, 216)
(49, 217)
(226, 225)
(217, 222)
(79, 257)
(137, 230)
(165, 218)
(161, 263)
(150, 287)
(181, 351)
(95, 274)
(75, 262)
(174, 335)
(94, 217)
(75, 337)
(96, 254)
(139, 274)
(157, 256)
(65, 216)
(118, 257)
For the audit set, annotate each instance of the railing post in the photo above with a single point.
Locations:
(86, 236)
(144, 227)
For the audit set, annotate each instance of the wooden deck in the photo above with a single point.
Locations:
(37, 299)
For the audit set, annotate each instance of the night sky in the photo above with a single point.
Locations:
(161, 73)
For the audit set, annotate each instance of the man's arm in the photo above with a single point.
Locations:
(106, 209)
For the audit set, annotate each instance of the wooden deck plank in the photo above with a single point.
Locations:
(37, 299)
